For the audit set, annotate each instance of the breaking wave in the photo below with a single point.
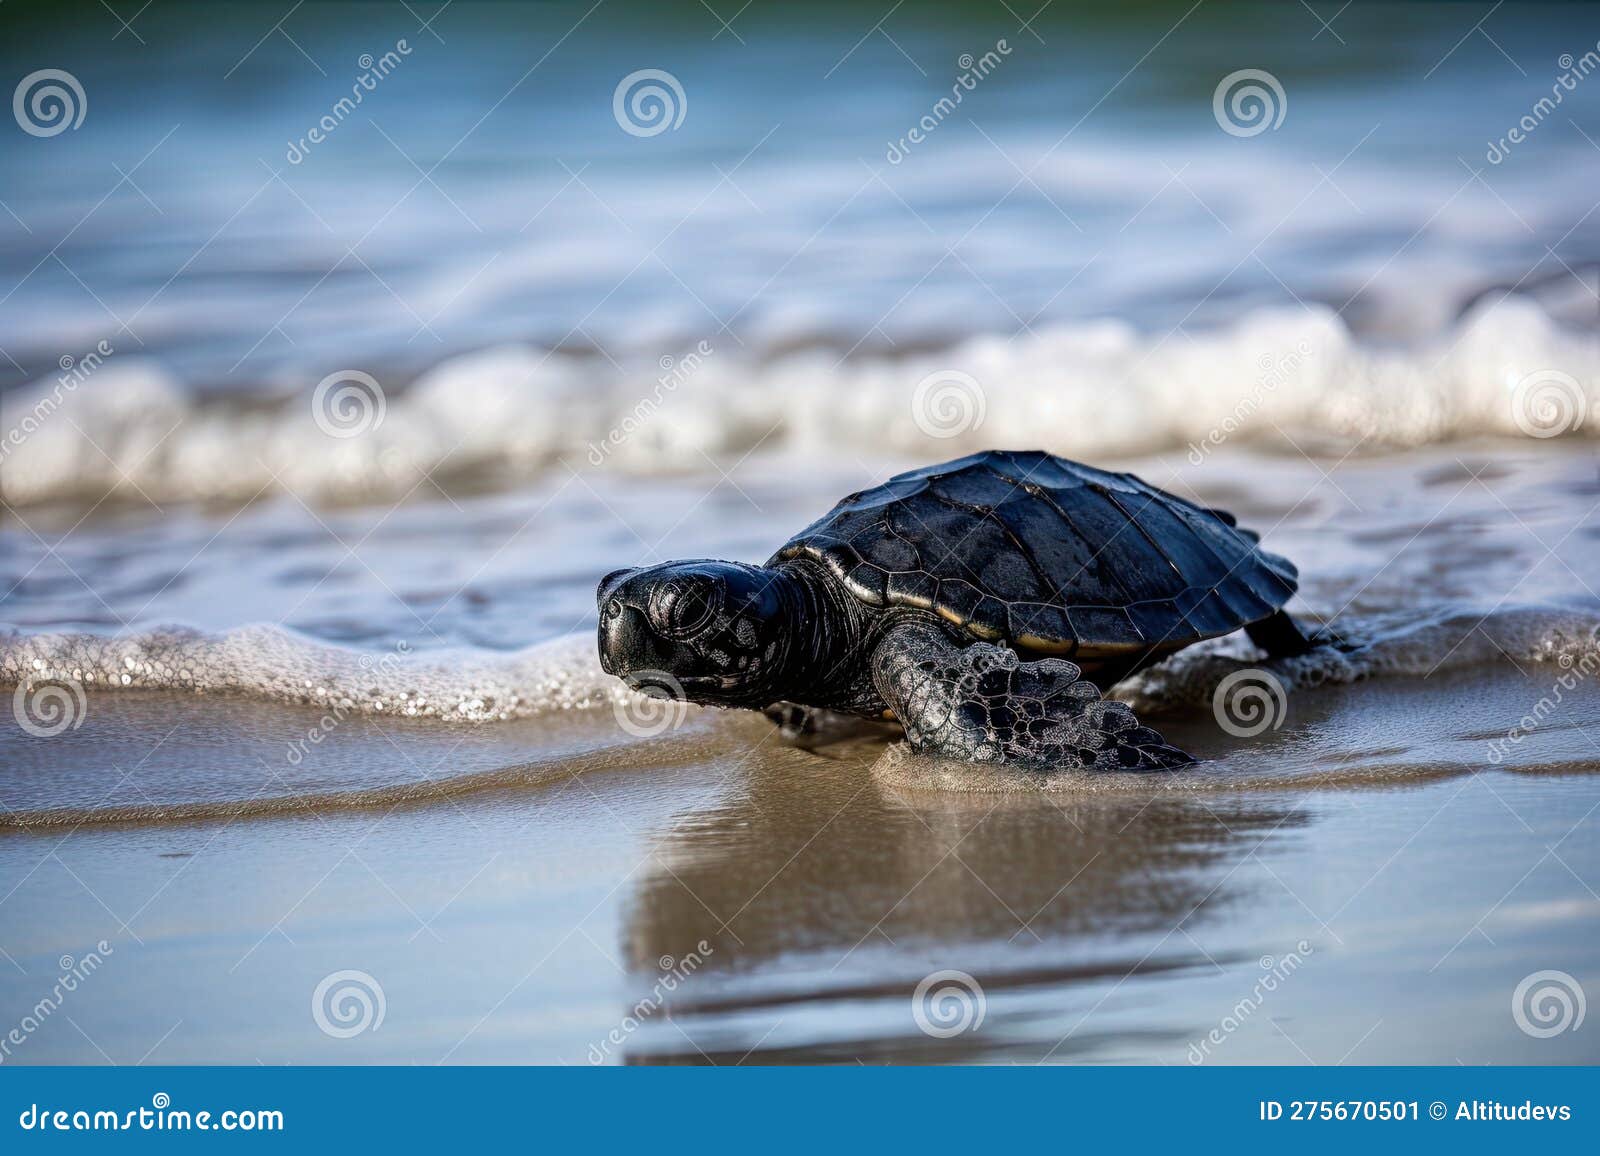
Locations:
(1089, 390)
(273, 664)
(1401, 644)
(276, 665)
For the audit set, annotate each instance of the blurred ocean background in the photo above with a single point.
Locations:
(482, 192)
(538, 284)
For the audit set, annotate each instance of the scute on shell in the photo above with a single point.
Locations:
(1047, 554)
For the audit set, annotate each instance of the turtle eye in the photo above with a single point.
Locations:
(681, 607)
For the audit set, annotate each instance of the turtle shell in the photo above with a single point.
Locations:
(1049, 555)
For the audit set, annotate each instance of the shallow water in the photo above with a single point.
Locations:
(255, 809)
(1455, 557)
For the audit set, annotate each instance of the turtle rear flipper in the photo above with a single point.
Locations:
(1280, 636)
(981, 703)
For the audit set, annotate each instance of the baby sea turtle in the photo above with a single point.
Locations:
(967, 601)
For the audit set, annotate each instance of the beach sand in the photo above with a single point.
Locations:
(715, 897)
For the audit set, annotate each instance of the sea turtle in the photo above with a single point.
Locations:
(967, 601)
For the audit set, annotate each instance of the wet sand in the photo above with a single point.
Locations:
(531, 912)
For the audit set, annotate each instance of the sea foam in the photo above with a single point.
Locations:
(464, 685)
(1089, 390)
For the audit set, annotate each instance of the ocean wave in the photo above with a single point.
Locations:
(1090, 390)
(277, 665)
(273, 664)
(1398, 644)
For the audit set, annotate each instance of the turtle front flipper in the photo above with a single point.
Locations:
(981, 703)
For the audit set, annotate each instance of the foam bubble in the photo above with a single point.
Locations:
(1089, 390)
(273, 664)
(267, 662)
(1402, 644)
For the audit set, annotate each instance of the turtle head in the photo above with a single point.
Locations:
(710, 632)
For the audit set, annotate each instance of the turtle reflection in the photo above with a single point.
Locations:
(823, 891)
